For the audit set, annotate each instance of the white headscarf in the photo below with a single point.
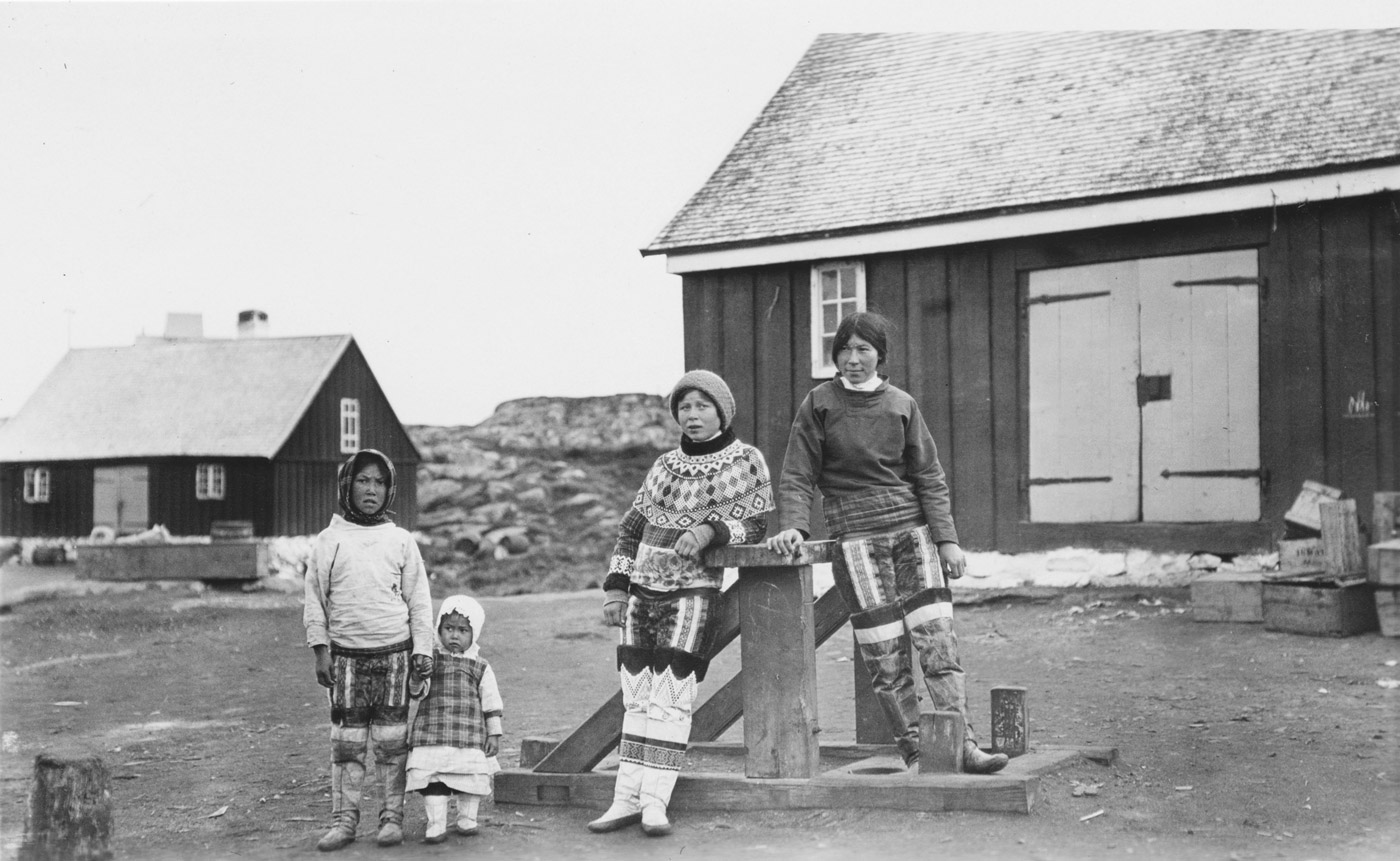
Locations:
(463, 605)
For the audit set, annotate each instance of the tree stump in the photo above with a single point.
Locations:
(70, 811)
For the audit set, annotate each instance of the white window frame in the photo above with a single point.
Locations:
(349, 425)
(36, 484)
(209, 481)
(822, 366)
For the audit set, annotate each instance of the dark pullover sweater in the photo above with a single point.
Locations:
(846, 442)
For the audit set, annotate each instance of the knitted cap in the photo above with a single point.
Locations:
(712, 387)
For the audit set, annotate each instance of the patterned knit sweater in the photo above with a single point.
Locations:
(723, 483)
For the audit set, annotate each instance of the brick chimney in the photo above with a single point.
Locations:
(252, 324)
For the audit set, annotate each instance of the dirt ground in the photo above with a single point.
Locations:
(1234, 742)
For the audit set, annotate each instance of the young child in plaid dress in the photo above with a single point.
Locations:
(457, 730)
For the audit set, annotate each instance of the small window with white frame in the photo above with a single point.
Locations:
(838, 290)
(36, 484)
(209, 481)
(349, 425)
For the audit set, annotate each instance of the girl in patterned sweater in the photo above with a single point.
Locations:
(457, 731)
(712, 491)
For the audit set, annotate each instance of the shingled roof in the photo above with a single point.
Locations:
(884, 130)
(214, 398)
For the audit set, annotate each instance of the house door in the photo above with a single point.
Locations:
(120, 498)
(1144, 390)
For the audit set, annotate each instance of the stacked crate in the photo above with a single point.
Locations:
(1383, 561)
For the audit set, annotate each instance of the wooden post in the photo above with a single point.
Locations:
(1010, 721)
(941, 736)
(1341, 539)
(70, 811)
(871, 726)
(778, 649)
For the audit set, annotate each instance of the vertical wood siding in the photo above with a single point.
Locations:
(1328, 322)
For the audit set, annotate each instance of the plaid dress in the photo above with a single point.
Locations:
(449, 732)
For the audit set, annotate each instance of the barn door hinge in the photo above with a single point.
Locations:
(1155, 387)
(1261, 474)
(1028, 482)
(1048, 298)
(1229, 281)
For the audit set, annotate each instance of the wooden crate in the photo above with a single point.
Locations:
(221, 560)
(1319, 605)
(1388, 610)
(1385, 516)
(1228, 596)
(1383, 563)
(1304, 512)
(1300, 554)
(1341, 538)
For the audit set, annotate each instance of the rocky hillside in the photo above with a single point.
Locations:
(529, 500)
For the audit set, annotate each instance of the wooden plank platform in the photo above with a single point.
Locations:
(878, 782)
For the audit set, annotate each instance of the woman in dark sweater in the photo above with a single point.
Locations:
(863, 444)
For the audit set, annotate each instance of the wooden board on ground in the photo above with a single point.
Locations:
(876, 783)
(221, 560)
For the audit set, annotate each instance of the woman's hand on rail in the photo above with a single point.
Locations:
(788, 542)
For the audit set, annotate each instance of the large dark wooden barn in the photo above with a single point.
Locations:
(184, 432)
(1145, 282)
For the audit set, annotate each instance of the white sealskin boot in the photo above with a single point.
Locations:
(657, 784)
(435, 806)
(625, 809)
(467, 805)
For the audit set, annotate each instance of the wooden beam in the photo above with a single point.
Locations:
(780, 672)
(726, 705)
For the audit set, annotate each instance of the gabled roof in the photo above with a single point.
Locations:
(874, 131)
(214, 398)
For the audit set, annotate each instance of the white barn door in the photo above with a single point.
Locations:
(121, 498)
(1200, 327)
(1084, 424)
(1144, 390)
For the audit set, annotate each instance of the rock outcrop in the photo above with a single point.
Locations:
(529, 500)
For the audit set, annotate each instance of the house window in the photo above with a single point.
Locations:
(838, 290)
(36, 484)
(209, 481)
(349, 425)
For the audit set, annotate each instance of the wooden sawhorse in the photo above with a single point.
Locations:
(785, 767)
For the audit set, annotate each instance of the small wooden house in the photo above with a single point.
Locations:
(1145, 282)
(183, 432)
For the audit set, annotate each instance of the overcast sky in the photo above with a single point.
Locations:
(462, 186)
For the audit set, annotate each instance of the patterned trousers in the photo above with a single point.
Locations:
(666, 643)
(369, 707)
(894, 586)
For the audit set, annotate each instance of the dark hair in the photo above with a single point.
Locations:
(867, 325)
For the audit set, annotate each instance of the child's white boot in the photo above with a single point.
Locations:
(467, 805)
(625, 809)
(435, 806)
